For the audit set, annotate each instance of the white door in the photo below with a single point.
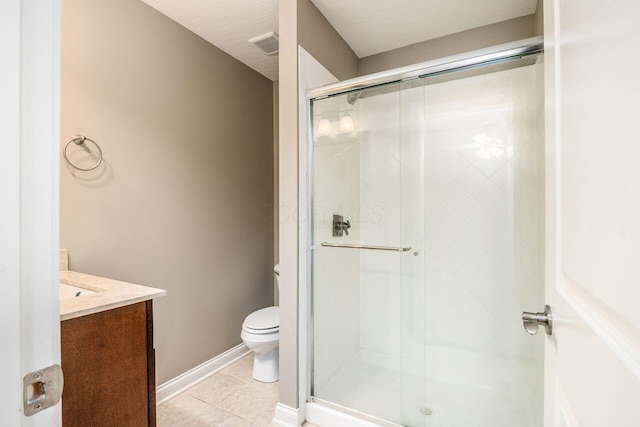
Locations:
(29, 120)
(592, 58)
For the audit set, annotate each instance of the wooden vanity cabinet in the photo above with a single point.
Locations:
(108, 362)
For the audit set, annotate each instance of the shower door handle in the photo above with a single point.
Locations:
(372, 247)
(532, 321)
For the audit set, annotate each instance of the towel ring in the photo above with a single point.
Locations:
(79, 140)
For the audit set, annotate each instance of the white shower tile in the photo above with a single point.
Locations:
(486, 233)
(451, 162)
(453, 258)
(455, 288)
(489, 166)
(453, 226)
(503, 178)
(471, 179)
(490, 196)
(437, 242)
(470, 211)
(524, 129)
(452, 195)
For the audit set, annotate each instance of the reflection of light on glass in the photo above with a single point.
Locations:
(490, 148)
(324, 127)
(346, 123)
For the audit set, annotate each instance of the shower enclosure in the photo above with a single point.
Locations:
(417, 288)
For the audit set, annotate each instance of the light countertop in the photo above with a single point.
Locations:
(108, 294)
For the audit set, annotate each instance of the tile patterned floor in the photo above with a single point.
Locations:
(229, 398)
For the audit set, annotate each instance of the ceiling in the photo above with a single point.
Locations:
(374, 26)
(229, 25)
(368, 26)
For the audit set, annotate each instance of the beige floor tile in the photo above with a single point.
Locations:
(255, 402)
(180, 410)
(216, 417)
(230, 397)
(241, 369)
(216, 388)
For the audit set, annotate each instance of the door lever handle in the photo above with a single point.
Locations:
(532, 321)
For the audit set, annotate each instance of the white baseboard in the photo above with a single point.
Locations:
(286, 416)
(201, 372)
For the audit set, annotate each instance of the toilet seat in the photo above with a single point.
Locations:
(260, 331)
(264, 321)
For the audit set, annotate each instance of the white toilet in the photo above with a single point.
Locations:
(261, 333)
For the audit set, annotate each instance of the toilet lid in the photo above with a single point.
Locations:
(267, 318)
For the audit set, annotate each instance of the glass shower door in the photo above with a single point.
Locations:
(483, 153)
(444, 176)
(368, 304)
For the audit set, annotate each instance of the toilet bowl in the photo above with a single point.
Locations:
(261, 333)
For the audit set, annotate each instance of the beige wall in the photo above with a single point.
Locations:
(539, 18)
(477, 38)
(322, 41)
(184, 198)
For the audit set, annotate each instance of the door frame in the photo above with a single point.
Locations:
(29, 220)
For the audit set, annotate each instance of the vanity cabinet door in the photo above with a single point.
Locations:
(109, 372)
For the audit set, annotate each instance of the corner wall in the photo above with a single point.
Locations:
(322, 41)
(288, 198)
(184, 198)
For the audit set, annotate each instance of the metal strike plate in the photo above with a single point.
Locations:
(531, 321)
(42, 389)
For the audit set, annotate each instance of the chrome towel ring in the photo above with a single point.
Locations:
(79, 140)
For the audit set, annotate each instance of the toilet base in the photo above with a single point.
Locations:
(265, 366)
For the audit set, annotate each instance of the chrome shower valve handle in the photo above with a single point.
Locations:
(340, 227)
(345, 227)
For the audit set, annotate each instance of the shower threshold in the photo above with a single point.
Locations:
(353, 413)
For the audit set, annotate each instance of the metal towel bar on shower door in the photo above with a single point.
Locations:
(373, 247)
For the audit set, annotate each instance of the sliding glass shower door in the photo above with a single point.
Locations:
(368, 313)
(427, 245)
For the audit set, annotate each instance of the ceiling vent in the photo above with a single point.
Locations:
(267, 42)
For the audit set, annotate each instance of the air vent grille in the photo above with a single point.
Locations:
(267, 42)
